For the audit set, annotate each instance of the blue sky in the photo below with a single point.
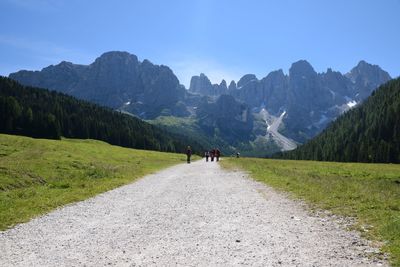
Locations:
(222, 38)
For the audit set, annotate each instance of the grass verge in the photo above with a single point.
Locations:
(38, 175)
(370, 193)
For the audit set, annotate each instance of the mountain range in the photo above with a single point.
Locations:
(368, 133)
(309, 99)
(263, 114)
(114, 79)
(41, 113)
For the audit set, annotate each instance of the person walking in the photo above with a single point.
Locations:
(217, 154)
(207, 155)
(188, 153)
(212, 154)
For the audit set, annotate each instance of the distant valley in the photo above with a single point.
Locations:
(255, 116)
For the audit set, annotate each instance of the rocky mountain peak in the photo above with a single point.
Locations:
(116, 58)
(115, 79)
(223, 83)
(232, 86)
(65, 64)
(301, 68)
(363, 67)
(119, 80)
(201, 84)
(366, 71)
(277, 74)
(147, 63)
(62, 66)
(246, 79)
(363, 63)
(116, 54)
(366, 78)
(222, 88)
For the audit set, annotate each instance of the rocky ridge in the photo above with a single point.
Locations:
(115, 79)
(308, 100)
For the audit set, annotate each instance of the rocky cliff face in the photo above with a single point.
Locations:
(111, 80)
(365, 78)
(311, 100)
(64, 76)
(202, 85)
(308, 100)
(274, 91)
(232, 86)
(117, 80)
(231, 120)
(317, 99)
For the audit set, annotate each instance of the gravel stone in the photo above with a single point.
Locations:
(189, 215)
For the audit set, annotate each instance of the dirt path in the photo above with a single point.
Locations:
(190, 215)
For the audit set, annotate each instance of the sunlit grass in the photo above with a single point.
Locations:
(38, 175)
(370, 193)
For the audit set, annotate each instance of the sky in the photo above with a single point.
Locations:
(224, 39)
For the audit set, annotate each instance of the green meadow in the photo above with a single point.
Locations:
(38, 175)
(369, 193)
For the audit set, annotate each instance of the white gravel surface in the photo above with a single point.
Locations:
(189, 215)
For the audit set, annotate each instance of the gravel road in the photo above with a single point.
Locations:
(189, 215)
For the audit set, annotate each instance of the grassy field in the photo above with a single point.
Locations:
(370, 193)
(38, 175)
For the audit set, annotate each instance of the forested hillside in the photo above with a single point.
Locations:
(41, 113)
(368, 133)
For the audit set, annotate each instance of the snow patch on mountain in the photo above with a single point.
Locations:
(351, 104)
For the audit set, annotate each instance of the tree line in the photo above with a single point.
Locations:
(41, 113)
(367, 133)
